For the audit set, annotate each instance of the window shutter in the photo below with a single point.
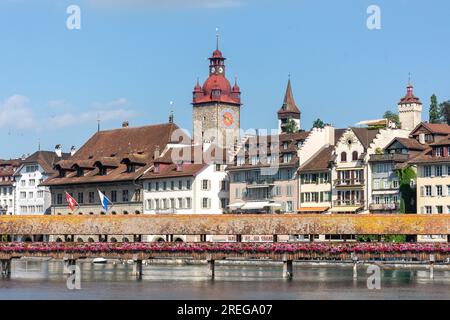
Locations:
(422, 192)
(321, 197)
(209, 203)
(302, 198)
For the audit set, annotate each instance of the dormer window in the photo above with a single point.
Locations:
(287, 158)
(216, 92)
(439, 152)
(62, 173)
(131, 168)
(80, 172)
(102, 171)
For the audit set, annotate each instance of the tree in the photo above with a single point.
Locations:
(393, 117)
(318, 123)
(407, 192)
(291, 126)
(445, 112)
(434, 114)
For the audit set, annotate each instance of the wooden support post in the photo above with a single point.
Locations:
(275, 238)
(5, 267)
(203, 238)
(67, 263)
(288, 269)
(239, 238)
(355, 265)
(137, 267)
(432, 260)
(211, 267)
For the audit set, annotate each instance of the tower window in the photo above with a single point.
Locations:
(344, 157)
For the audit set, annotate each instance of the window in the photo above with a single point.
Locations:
(254, 160)
(206, 203)
(30, 195)
(240, 161)
(205, 184)
(23, 195)
(439, 152)
(180, 203)
(223, 185)
(376, 184)
(125, 196)
(428, 209)
(172, 185)
(91, 197)
(188, 203)
(289, 206)
(165, 185)
(438, 171)
(439, 209)
(287, 158)
(180, 184)
(40, 194)
(395, 184)
(355, 155)
(157, 185)
(427, 171)
(344, 157)
(188, 184)
(32, 182)
(22, 183)
(289, 191)
(113, 196)
(59, 198)
(238, 193)
(439, 192)
(223, 203)
(80, 197)
(428, 191)
(448, 190)
(218, 167)
(149, 204)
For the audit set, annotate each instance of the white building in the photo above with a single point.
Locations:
(193, 185)
(31, 197)
(7, 184)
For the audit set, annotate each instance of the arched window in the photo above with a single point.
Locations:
(137, 212)
(125, 212)
(80, 213)
(344, 156)
(113, 213)
(113, 240)
(178, 240)
(125, 239)
(91, 213)
(90, 239)
(80, 240)
(58, 240)
(355, 156)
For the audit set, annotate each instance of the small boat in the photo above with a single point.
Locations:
(99, 261)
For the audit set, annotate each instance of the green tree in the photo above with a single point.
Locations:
(434, 113)
(407, 192)
(392, 117)
(445, 112)
(318, 123)
(291, 126)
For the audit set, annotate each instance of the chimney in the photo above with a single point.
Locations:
(58, 150)
(73, 150)
(422, 138)
(156, 153)
(125, 124)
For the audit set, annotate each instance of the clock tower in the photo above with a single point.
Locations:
(216, 106)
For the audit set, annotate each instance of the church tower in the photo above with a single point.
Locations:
(216, 106)
(288, 111)
(410, 109)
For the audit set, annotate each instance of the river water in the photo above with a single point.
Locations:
(45, 280)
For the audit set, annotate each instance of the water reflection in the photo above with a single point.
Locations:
(45, 280)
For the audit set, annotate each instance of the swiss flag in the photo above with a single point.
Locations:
(71, 201)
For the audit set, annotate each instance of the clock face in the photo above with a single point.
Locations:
(228, 118)
(220, 70)
(213, 70)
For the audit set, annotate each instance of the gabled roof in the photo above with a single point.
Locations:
(320, 161)
(433, 128)
(408, 143)
(289, 106)
(46, 159)
(114, 149)
(365, 135)
(442, 142)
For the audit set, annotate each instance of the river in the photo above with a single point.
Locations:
(45, 280)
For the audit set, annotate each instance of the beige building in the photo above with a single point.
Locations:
(433, 182)
(410, 110)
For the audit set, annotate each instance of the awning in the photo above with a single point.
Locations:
(382, 192)
(345, 209)
(236, 205)
(313, 209)
(255, 205)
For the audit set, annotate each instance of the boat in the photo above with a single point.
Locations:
(99, 260)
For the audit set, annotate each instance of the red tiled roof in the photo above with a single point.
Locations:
(320, 161)
(289, 106)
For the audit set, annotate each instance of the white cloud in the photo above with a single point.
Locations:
(211, 4)
(15, 113)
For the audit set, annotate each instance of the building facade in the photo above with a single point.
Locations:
(7, 185)
(433, 182)
(410, 110)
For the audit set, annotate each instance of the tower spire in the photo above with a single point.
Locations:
(217, 38)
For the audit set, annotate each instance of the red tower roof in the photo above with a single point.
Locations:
(216, 88)
(410, 97)
(289, 107)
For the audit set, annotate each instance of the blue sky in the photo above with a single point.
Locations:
(131, 58)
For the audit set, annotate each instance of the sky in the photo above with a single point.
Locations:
(131, 58)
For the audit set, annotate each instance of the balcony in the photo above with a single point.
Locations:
(260, 183)
(384, 207)
(348, 203)
(349, 182)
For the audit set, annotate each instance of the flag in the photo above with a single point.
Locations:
(71, 201)
(104, 200)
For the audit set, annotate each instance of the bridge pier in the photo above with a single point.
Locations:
(137, 267)
(355, 266)
(67, 263)
(288, 268)
(432, 259)
(5, 267)
(211, 267)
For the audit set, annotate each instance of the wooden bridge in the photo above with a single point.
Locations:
(411, 224)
